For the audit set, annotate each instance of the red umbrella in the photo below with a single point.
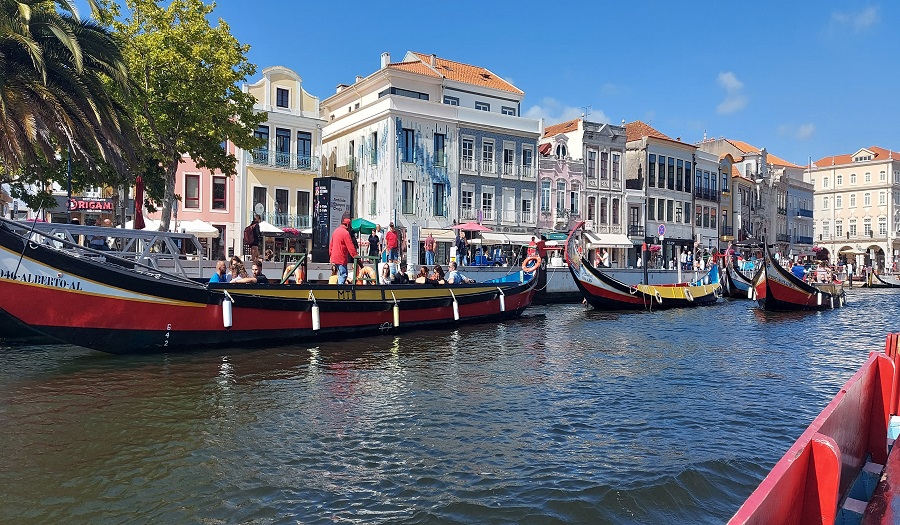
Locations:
(139, 203)
(472, 227)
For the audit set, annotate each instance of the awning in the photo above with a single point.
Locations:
(611, 240)
(438, 234)
(507, 238)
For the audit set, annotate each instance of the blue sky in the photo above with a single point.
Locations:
(803, 79)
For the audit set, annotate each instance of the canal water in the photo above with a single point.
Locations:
(566, 415)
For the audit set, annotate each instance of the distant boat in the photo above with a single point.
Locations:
(734, 283)
(777, 289)
(605, 293)
(877, 281)
(97, 300)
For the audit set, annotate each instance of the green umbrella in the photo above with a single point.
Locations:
(362, 226)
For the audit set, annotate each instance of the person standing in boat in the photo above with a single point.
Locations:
(429, 249)
(604, 258)
(341, 249)
(257, 237)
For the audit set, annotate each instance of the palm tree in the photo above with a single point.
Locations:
(61, 79)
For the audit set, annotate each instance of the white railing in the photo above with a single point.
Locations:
(487, 166)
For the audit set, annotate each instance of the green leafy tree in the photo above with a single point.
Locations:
(62, 83)
(189, 75)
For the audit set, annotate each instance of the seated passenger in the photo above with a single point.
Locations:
(221, 276)
(299, 274)
(401, 277)
(385, 274)
(257, 276)
(455, 277)
(422, 276)
(334, 276)
(237, 270)
(366, 275)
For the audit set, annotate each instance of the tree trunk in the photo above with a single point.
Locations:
(169, 198)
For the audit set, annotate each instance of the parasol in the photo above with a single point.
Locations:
(362, 226)
(139, 203)
(472, 227)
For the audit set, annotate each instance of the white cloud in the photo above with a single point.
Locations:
(735, 100)
(554, 112)
(805, 131)
(859, 21)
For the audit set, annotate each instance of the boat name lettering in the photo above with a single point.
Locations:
(44, 280)
(345, 294)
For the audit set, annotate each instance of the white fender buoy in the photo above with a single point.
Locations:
(819, 298)
(502, 300)
(226, 312)
(396, 315)
(750, 293)
(315, 317)
(832, 302)
(455, 306)
(688, 295)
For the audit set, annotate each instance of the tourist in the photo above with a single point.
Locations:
(429, 249)
(461, 248)
(334, 275)
(256, 237)
(385, 274)
(237, 270)
(366, 275)
(401, 277)
(341, 249)
(256, 277)
(392, 244)
(422, 276)
(221, 276)
(532, 248)
(455, 277)
(604, 258)
(374, 244)
(798, 271)
(437, 274)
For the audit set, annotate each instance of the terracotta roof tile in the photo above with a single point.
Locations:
(564, 127)
(838, 160)
(475, 75)
(414, 67)
(770, 157)
(637, 129)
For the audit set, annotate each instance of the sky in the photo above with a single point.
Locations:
(804, 79)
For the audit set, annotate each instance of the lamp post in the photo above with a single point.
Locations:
(678, 215)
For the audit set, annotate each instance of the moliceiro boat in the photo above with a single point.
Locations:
(734, 283)
(606, 293)
(109, 303)
(776, 289)
(844, 468)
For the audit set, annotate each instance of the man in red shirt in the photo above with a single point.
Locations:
(341, 249)
(392, 245)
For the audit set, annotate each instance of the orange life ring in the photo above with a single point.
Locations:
(531, 264)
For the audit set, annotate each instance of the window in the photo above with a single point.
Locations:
(838, 202)
(192, 191)
(671, 176)
(574, 198)
(687, 176)
(482, 106)
(826, 229)
(698, 218)
(509, 161)
(219, 192)
(487, 202)
(592, 165)
(403, 93)
(282, 147)
(409, 145)
(468, 154)
(616, 158)
(561, 151)
(259, 200)
(304, 150)
(373, 203)
(725, 185)
(508, 111)
(660, 209)
(560, 195)
(282, 97)
(661, 173)
(373, 148)
(867, 199)
(853, 178)
(407, 199)
(261, 154)
(615, 211)
(712, 185)
(839, 228)
(467, 203)
(882, 176)
(852, 200)
(303, 207)
(825, 182)
(882, 226)
(526, 209)
(281, 201)
(839, 180)
(824, 203)
(451, 101)
(487, 157)
(712, 218)
(545, 195)
(351, 155)
(679, 175)
(604, 210)
(868, 177)
(651, 171)
(882, 198)
(687, 212)
(852, 228)
(527, 160)
(604, 165)
(867, 227)
(439, 203)
(651, 209)
(439, 149)
(706, 217)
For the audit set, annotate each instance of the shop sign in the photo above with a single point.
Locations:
(82, 204)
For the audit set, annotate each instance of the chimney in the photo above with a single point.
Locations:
(433, 58)
(359, 78)
(340, 87)
(385, 59)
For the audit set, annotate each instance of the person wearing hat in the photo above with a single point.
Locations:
(341, 249)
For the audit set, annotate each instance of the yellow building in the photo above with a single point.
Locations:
(276, 180)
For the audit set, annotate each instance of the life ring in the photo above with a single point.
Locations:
(531, 264)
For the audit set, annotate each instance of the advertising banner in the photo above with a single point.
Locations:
(332, 200)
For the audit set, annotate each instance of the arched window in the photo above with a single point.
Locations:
(561, 151)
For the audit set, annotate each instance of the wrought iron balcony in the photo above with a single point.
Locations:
(805, 213)
(263, 157)
(635, 230)
(804, 240)
(286, 220)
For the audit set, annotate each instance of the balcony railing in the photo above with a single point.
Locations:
(508, 169)
(487, 214)
(468, 164)
(727, 230)
(804, 213)
(262, 157)
(635, 230)
(782, 210)
(782, 237)
(286, 220)
(527, 172)
(804, 240)
(487, 166)
(467, 213)
(528, 217)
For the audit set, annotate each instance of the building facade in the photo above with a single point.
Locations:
(857, 206)
(429, 143)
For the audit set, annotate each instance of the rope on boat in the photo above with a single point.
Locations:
(26, 243)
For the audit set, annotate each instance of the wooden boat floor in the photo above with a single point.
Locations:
(884, 505)
(833, 289)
